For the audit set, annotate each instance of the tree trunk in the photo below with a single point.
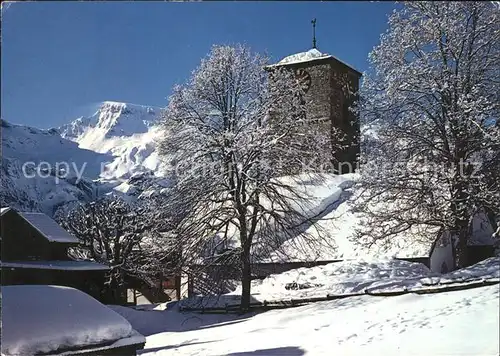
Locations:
(461, 214)
(461, 255)
(245, 281)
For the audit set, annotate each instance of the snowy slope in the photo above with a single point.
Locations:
(337, 225)
(331, 234)
(40, 185)
(450, 323)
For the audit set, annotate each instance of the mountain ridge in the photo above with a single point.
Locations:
(111, 151)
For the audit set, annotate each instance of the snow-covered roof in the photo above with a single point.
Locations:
(42, 319)
(48, 227)
(57, 265)
(310, 55)
(134, 339)
(4, 210)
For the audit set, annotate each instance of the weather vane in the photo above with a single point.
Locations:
(314, 32)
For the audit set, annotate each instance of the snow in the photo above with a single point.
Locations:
(55, 318)
(309, 55)
(332, 203)
(31, 180)
(451, 323)
(51, 230)
(28, 144)
(319, 191)
(348, 277)
(340, 278)
(463, 322)
(57, 265)
(4, 210)
(487, 269)
(328, 200)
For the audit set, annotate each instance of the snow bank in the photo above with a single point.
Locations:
(319, 191)
(339, 278)
(346, 277)
(487, 269)
(41, 319)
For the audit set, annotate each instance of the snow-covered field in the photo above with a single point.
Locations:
(451, 323)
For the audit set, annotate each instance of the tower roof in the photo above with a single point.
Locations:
(311, 55)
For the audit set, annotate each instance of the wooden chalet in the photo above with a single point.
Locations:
(34, 251)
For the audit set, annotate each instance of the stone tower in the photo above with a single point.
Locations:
(330, 88)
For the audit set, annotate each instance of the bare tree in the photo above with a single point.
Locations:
(432, 100)
(124, 236)
(230, 134)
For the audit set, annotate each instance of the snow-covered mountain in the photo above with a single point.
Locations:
(112, 149)
(125, 131)
(40, 169)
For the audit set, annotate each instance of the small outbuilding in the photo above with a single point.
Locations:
(55, 320)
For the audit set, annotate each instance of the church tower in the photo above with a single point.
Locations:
(330, 87)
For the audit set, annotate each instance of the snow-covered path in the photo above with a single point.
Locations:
(454, 323)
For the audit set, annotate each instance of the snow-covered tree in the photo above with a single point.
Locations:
(432, 100)
(230, 134)
(127, 237)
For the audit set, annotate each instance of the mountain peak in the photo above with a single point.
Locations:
(125, 131)
(112, 119)
(122, 105)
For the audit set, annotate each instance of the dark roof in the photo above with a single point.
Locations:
(48, 228)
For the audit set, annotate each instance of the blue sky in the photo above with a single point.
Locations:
(59, 57)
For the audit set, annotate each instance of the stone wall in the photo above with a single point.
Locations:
(318, 96)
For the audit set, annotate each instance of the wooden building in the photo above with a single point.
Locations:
(34, 250)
